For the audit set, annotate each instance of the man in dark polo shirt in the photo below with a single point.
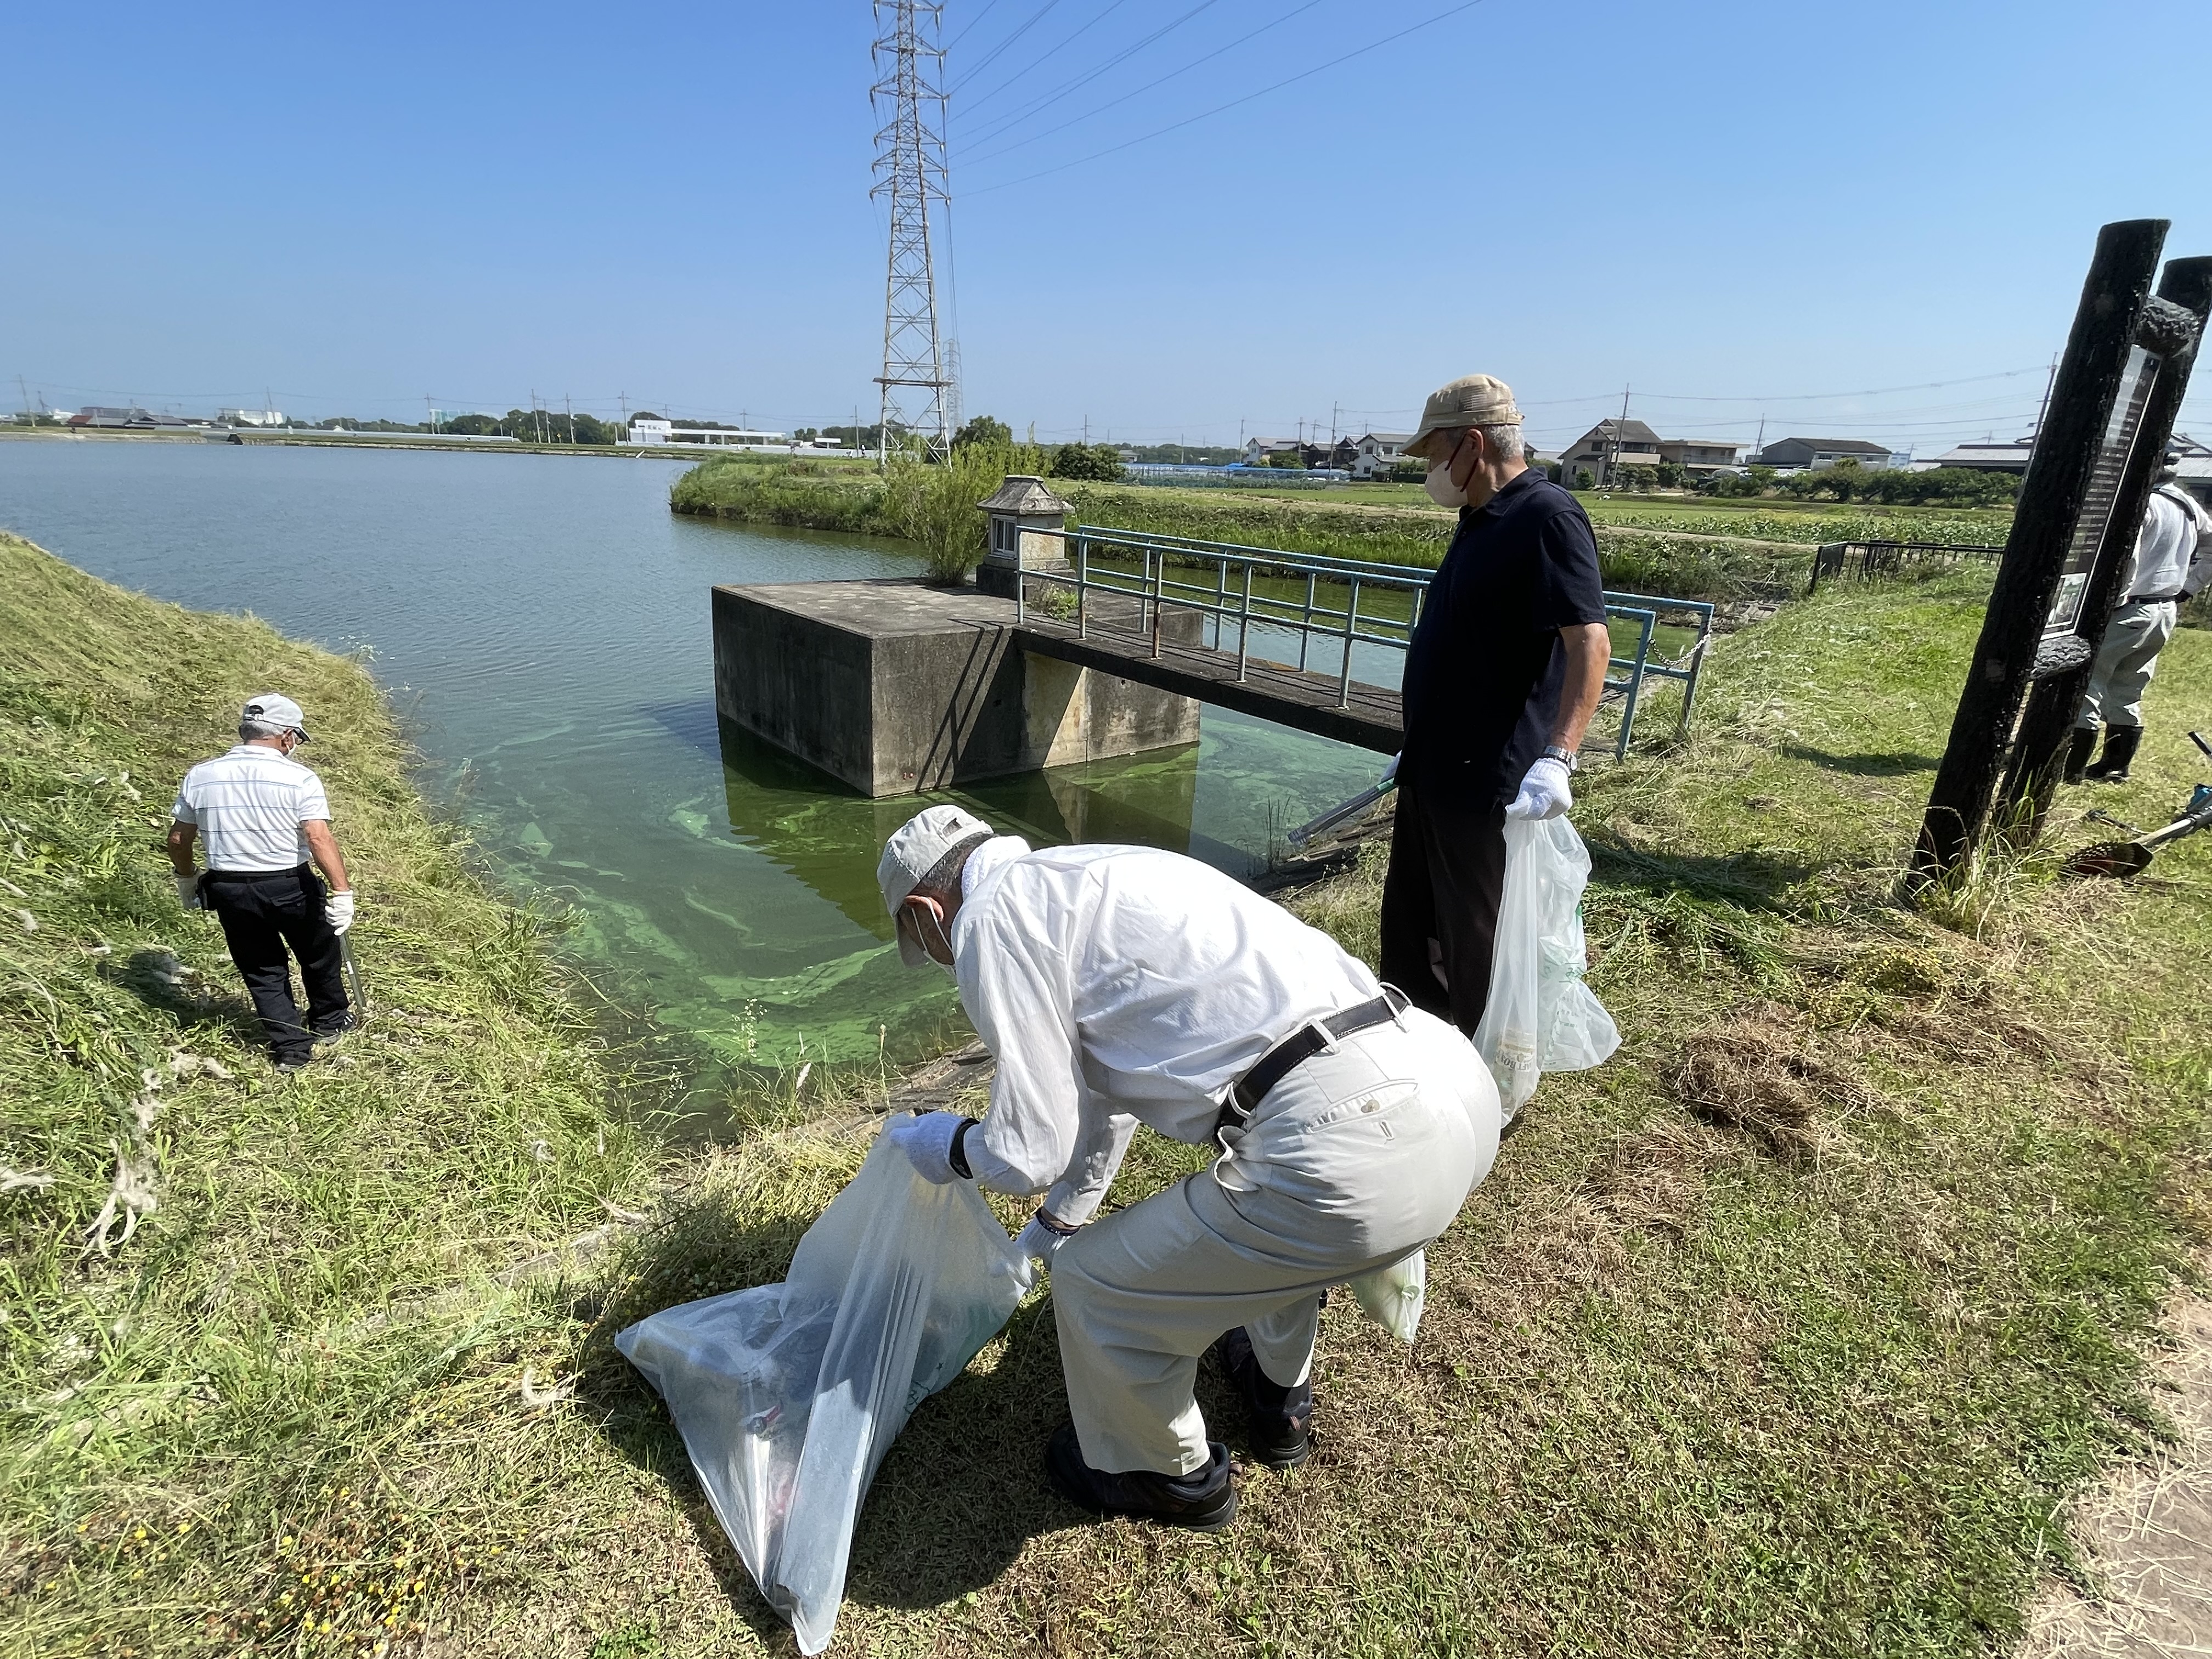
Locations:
(1504, 673)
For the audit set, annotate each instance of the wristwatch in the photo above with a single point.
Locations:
(1565, 756)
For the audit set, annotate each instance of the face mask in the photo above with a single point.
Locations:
(1442, 491)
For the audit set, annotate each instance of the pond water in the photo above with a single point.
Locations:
(542, 622)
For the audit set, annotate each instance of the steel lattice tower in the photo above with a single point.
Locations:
(910, 170)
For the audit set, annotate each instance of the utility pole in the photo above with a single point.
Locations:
(1759, 442)
(2051, 380)
(568, 405)
(1613, 456)
(429, 414)
(910, 170)
(26, 392)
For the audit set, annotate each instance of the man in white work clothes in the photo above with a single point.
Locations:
(1119, 986)
(264, 819)
(2169, 564)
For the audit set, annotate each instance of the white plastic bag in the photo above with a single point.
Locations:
(1541, 1016)
(788, 1395)
(1394, 1296)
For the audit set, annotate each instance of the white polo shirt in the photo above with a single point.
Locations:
(249, 805)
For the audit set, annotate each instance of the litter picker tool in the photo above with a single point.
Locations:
(353, 975)
(2123, 859)
(1343, 812)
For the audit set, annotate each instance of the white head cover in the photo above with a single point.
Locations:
(270, 709)
(913, 850)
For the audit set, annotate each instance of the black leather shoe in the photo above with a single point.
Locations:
(1205, 1501)
(1276, 1418)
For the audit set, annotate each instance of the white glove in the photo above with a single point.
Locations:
(1037, 1241)
(337, 910)
(926, 1141)
(1390, 772)
(1544, 793)
(188, 890)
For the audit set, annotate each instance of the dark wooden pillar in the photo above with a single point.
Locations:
(2172, 326)
(2054, 499)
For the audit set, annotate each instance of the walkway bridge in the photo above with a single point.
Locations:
(1103, 642)
(1266, 618)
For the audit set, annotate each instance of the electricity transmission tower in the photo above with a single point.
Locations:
(910, 170)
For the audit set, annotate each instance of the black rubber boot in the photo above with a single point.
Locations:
(2121, 742)
(1205, 1501)
(1276, 1418)
(2078, 750)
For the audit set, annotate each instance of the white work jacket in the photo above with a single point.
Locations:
(1121, 985)
(2158, 565)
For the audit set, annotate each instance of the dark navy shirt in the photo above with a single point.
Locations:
(1485, 670)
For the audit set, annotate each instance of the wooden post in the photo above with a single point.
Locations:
(2052, 498)
(2046, 727)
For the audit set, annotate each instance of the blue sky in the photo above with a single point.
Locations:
(1737, 211)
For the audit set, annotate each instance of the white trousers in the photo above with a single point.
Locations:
(1355, 1160)
(2126, 659)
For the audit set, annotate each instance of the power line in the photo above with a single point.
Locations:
(1248, 34)
(988, 57)
(1013, 119)
(988, 7)
(1031, 67)
(1219, 109)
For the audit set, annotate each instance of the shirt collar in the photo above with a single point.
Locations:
(1526, 475)
(980, 874)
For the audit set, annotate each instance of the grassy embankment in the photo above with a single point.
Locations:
(1648, 546)
(1787, 1331)
(291, 1394)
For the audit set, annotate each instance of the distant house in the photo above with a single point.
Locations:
(1609, 444)
(1374, 454)
(1699, 455)
(652, 433)
(1990, 457)
(249, 417)
(133, 418)
(1260, 452)
(1797, 454)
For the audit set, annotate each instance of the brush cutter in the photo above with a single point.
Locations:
(2123, 859)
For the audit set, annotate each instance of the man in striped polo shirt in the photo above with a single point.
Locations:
(265, 818)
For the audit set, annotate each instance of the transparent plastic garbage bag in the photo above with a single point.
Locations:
(1541, 1016)
(788, 1395)
(1392, 1296)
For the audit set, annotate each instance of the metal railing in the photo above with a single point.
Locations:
(1099, 567)
(1883, 558)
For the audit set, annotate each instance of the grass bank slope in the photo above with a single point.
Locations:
(1788, 1331)
(283, 1405)
(1667, 548)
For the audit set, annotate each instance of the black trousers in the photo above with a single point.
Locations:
(1440, 904)
(261, 914)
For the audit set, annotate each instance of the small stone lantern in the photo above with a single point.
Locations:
(1026, 520)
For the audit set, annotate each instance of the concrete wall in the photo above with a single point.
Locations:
(894, 687)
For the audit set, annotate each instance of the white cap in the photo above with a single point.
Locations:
(269, 709)
(914, 849)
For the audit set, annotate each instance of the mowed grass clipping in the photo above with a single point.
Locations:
(1788, 1331)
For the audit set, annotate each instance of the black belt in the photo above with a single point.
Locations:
(252, 875)
(2152, 598)
(1299, 1047)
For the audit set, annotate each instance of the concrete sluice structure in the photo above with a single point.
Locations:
(897, 686)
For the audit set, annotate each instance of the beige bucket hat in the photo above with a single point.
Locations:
(1471, 400)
